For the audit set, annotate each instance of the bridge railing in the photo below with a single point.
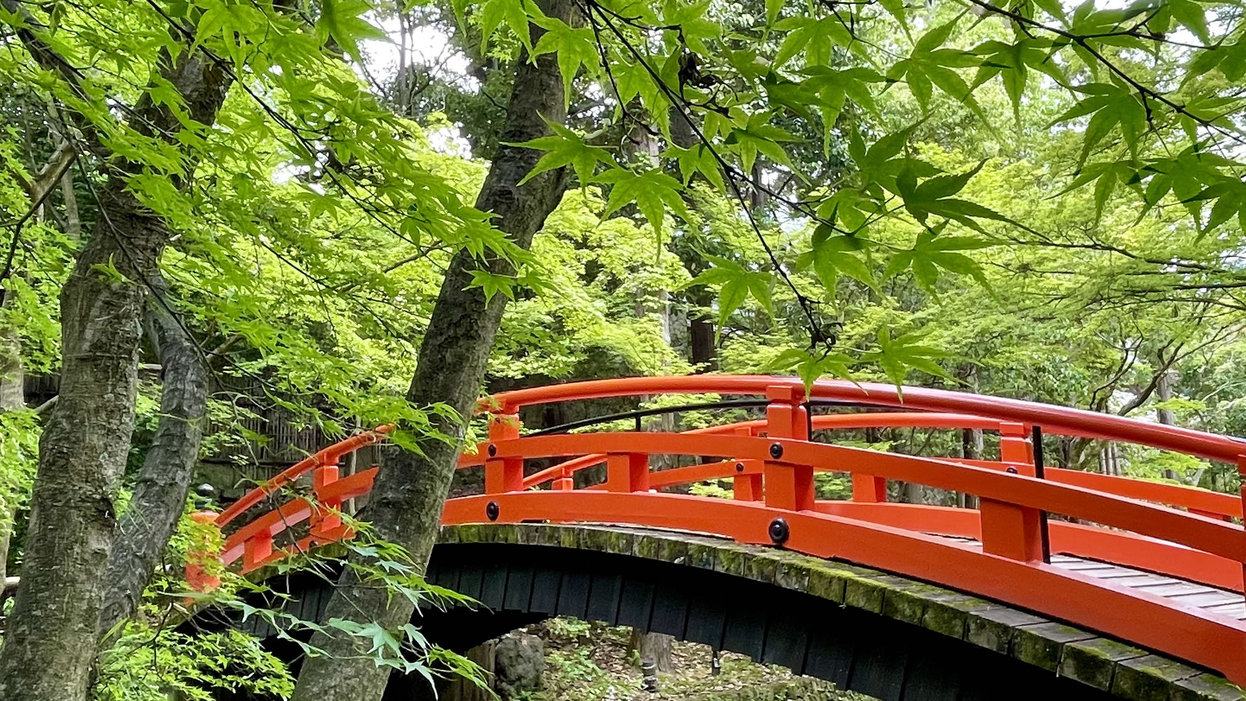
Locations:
(999, 550)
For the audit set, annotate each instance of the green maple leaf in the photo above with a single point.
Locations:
(565, 147)
(735, 283)
(933, 252)
(896, 356)
(341, 21)
(572, 46)
(652, 190)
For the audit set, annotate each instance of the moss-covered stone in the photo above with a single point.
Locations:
(947, 613)
(864, 593)
(1041, 644)
(762, 567)
(730, 561)
(646, 546)
(672, 550)
(1149, 678)
(904, 604)
(1207, 687)
(992, 627)
(597, 539)
(1094, 661)
(793, 570)
(623, 542)
(700, 555)
(826, 582)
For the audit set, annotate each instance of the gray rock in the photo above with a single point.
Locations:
(519, 661)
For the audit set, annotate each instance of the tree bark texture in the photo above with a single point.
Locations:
(410, 489)
(164, 479)
(654, 647)
(12, 396)
(52, 635)
(702, 348)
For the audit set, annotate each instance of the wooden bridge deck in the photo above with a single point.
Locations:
(1183, 592)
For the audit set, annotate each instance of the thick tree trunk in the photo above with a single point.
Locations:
(82, 453)
(52, 634)
(164, 480)
(410, 489)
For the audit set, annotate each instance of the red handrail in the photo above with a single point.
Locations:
(327, 456)
(1053, 419)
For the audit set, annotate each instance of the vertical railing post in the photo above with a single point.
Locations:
(747, 484)
(256, 551)
(503, 474)
(868, 488)
(786, 486)
(1010, 530)
(326, 514)
(206, 548)
(565, 483)
(627, 472)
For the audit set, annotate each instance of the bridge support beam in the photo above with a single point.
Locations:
(787, 486)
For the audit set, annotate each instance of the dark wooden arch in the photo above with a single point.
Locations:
(860, 651)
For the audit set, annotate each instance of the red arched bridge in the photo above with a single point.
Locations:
(1155, 568)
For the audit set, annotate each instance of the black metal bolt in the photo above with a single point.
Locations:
(493, 450)
(492, 510)
(776, 451)
(1011, 470)
(779, 531)
(739, 467)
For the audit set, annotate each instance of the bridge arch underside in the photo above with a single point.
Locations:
(886, 636)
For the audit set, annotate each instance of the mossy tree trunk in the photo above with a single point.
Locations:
(53, 631)
(410, 488)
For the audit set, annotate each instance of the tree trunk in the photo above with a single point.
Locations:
(654, 647)
(82, 454)
(52, 633)
(411, 488)
(164, 479)
(703, 352)
(12, 396)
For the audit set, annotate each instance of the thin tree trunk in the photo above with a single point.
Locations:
(52, 634)
(411, 488)
(701, 342)
(69, 202)
(12, 396)
(164, 480)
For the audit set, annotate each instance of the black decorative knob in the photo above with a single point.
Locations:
(739, 467)
(776, 451)
(1011, 470)
(493, 450)
(779, 531)
(492, 510)
(205, 490)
